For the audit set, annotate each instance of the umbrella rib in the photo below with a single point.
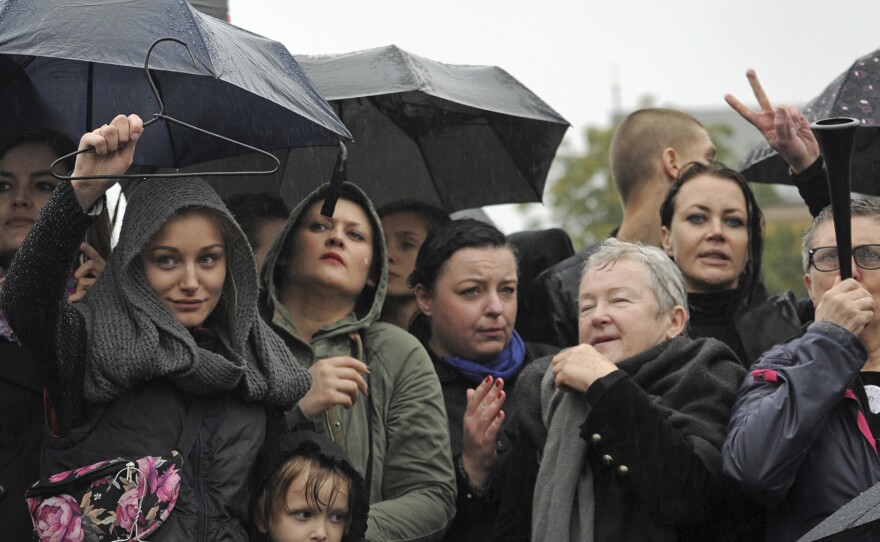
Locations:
(198, 30)
(90, 91)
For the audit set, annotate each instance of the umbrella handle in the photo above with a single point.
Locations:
(339, 177)
(835, 137)
(162, 116)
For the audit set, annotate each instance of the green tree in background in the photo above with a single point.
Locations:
(584, 203)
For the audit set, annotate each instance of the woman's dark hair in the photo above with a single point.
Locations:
(438, 248)
(751, 275)
(99, 232)
(446, 240)
(434, 217)
(252, 210)
(58, 142)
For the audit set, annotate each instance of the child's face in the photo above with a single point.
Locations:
(302, 522)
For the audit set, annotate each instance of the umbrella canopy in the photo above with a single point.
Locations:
(856, 521)
(74, 64)
(453, 136)
(855, 93)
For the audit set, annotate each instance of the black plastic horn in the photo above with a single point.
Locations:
(836, 137)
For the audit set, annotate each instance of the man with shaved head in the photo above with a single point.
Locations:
(649, 149)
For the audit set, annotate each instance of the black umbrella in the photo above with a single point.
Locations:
(856, 521)
(453, 136)
(74, 64)
(855, 93)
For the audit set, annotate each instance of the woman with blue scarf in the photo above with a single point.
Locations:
(465, 280)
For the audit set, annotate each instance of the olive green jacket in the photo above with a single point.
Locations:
(406, 463)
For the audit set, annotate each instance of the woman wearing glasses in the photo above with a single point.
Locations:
(802, 432)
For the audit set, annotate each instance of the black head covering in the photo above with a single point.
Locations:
(313, 445)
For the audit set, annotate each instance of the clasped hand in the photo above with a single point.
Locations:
(335, 381)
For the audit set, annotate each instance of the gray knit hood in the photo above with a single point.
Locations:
(133, 338)
(369, 305)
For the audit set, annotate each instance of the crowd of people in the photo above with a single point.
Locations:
(336, 372)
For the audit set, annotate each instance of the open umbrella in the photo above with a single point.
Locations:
(74, 64)
(856, 521)
(855, 93)
(453, 136)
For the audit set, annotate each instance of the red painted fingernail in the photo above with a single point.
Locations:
(497, 383)
(488, 379)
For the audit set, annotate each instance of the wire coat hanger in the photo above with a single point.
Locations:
(162, 116)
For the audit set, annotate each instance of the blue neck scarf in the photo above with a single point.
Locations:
(506, 365)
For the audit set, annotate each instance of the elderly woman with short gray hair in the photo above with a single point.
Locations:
(649, 405)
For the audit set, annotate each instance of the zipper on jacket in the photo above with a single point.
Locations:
(196, 454)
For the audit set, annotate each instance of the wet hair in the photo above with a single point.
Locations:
(858, 207)
(440, 245)
(640, 139)
(666, 278)
(751, 275)
(271, 499)
(251, 211)
(433, 217)
(446, 240)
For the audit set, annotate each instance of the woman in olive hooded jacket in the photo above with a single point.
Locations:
(375, 391)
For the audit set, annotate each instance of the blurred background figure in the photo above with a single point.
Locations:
(406, 224)
(261, 216)
(649, 150)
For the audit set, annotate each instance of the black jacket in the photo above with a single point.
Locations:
(660, 422)
(21, 432)
(749, 327)
(217, 476)
(551, 316)
(474, 515)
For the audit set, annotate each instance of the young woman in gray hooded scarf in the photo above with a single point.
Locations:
(171, 323)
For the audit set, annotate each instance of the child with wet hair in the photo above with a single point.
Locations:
(308, 490)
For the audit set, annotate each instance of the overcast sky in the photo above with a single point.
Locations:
(685, 53)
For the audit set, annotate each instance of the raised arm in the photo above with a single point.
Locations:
(785, 128)
(34, 294)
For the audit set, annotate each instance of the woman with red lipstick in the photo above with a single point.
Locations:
(169, 336)
(373, 390)
(406, 224)
(465, 279)
(25, 186)
(713, 229)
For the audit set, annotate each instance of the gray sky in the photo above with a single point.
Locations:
(685, 53)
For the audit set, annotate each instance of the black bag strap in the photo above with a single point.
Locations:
(194, 416)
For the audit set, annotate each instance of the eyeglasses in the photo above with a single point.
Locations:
(825, 258)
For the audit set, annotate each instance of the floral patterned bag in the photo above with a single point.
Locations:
(111, 501)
